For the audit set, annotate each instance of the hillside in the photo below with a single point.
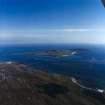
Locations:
(21, 85)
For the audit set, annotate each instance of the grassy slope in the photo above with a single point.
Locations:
(18, 86)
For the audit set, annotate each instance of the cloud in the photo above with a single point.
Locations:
(53, 30)
(53, 36)
(72, 30)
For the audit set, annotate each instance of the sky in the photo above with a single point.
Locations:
(52, 21)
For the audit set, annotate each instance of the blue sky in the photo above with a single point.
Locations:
(52, 21)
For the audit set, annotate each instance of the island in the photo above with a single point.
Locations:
(23, 85)
(58, 52)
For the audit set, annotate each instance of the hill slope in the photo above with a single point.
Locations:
(19, 85)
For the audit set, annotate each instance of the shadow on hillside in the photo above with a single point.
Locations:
(52, 89)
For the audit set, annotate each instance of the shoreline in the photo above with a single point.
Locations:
(87, 88)
(73, 79)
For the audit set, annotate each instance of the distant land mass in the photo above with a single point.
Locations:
(58, 53)
(21, 85)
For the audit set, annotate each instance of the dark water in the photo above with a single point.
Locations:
(88, 66)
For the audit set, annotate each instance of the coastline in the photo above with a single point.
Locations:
(73, 79)
(39, 86)
(87, 88)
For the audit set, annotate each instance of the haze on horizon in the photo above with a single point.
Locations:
(52, 21)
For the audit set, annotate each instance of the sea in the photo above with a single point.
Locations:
(88, 66)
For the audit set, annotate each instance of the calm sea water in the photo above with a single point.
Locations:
(88, 66)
